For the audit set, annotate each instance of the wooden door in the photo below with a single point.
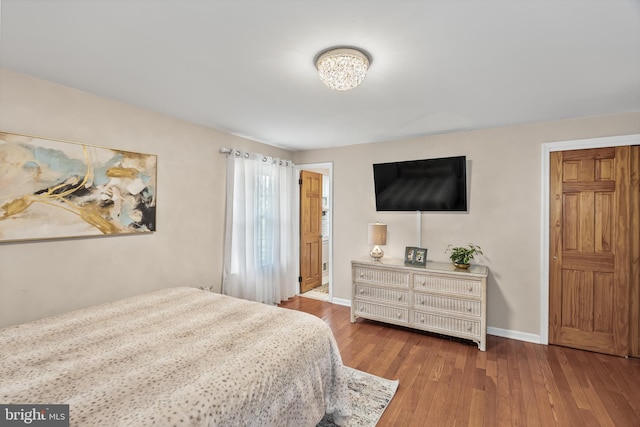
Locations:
(310, 230)
(590, 249)
(634, 300)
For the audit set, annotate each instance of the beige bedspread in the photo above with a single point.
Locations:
(179, 356)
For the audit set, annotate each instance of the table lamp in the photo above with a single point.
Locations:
(377, 237)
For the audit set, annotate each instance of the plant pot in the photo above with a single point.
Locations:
(463, 266)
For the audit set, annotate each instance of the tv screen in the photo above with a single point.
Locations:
(421, 185)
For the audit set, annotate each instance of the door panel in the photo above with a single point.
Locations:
(603, 297)
(590, 249)
(310, 230)
(635, 253)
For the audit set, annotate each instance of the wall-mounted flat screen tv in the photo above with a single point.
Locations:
(421, 185)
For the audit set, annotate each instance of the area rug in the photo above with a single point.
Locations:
(370, 396)
(320, 292)
(324, 288)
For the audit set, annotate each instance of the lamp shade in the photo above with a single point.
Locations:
(377, 234)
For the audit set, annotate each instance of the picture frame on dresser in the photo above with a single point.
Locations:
(420, 257)
(409, 254)
(415, 256)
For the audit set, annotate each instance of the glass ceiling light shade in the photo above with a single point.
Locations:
(342, 68)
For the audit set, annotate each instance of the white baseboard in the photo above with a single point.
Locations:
(340, 301)
(514, 335)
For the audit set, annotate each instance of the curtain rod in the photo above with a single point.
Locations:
(227, 151)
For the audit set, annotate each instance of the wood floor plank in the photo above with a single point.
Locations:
(572, 402)
(467, 364)
(516, 386)
(555, 397)
(504, 398)
(421, 389)
(541, 394)
(491, 384)
(476, 412)
(443, 377)
(529, 403)
(590, 383)
(624, 379)
(448, 382)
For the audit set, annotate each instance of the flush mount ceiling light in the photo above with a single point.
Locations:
(342, 68)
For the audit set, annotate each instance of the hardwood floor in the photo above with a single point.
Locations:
(448, 382)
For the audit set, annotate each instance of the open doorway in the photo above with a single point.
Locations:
(315, 246)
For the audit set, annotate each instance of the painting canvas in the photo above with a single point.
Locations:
(55, 189)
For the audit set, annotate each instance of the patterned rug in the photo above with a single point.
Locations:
(320, 292)
(370, 396)
(324, 288)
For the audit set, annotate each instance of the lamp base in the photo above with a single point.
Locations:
(376, 253)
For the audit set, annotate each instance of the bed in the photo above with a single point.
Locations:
(179, 356)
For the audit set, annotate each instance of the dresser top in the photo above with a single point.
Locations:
(431, 266)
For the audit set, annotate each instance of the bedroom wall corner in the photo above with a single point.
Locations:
(42, 278)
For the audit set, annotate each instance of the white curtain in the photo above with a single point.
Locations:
(259, 256)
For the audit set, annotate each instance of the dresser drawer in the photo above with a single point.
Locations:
(448, 285)
(395, 296)
(395, 314)
(381, 277)
(454, 305)
(446, 324)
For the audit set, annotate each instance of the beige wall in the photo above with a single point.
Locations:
(504, 215)
(48, 277)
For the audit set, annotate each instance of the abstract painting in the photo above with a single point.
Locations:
(55, 189)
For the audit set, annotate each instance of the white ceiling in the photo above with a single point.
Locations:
(246, 66)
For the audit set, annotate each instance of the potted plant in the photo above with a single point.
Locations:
(462, 255)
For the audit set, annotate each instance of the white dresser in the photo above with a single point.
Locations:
(437, 298)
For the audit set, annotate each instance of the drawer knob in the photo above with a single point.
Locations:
(361, 274)
(469, 309)
(400, 298)
(399, 315)
(470, 288)
(361, 291)
(468, 328)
